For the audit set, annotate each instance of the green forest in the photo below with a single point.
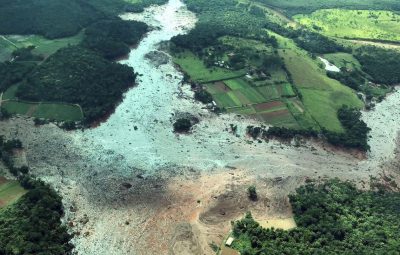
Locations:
(32, 225)
(79, 76)
(332, 218)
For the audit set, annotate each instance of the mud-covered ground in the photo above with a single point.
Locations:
(132, 186)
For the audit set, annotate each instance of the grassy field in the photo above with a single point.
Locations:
(51, 111)
(321, 96)
(263, 103)
(363, 24)
(10, 191)
(292, 7)
(44, 47)
(343, 60)
(196, 69)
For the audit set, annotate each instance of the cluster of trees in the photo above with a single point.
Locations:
(353, 78)
(112, 38)
(356, 130)
(354, 136)
(7, 148)
(50, 18)
(79, 76)
(203, 96)
(383, 65)
(219, 18)
(13, 72)
(33, 224)
(182, 125)
(332, 218)
(317, 43)
(25, 54)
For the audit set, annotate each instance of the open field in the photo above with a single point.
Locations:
(196, 69)
(362, 24)
(292, 7)
(44, 47)
(51, 111)
(10, 191)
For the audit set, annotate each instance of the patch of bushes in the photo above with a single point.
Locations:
(13, 72)
(252, 192)
(356, 130)
(182, 125)
(353, 79)
(203, 96)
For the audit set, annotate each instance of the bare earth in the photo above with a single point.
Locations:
(150, 191)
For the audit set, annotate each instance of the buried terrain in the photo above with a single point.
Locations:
(132, 186)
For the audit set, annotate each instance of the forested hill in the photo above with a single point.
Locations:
(59, 18)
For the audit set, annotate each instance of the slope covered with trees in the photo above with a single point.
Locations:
(50, 18)
(33, 224)
(112, 38)
(332, 218)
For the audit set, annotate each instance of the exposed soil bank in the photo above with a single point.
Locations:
(132, 186)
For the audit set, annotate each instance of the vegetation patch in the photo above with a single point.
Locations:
(10, 191)
(32, 225)
(332, 218)
(113, 38)
(76, 75)
(382, 65)
(197, 70)
(361, 24)
(292, 7)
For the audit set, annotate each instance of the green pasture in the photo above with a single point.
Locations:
(341, 59)
(235, 84)
(51, 111)
(240, 43)
(362, 24)
(321, 96)
(196, 69)
(44, 47)
(10, 191)
(269, 92)
(292, 7)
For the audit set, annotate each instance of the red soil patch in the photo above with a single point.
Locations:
(2, 180)
(270, 115)
(266, 106)
(221, 86)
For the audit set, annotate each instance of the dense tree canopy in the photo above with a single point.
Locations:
(382, 65)
(33, 224)
(112, 38)
(13, 72)
(50, 18)
(332, 218)
(80, 76)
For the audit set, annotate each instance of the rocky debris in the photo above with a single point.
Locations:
(157, 58)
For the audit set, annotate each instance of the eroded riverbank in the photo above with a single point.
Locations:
(132, 186)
